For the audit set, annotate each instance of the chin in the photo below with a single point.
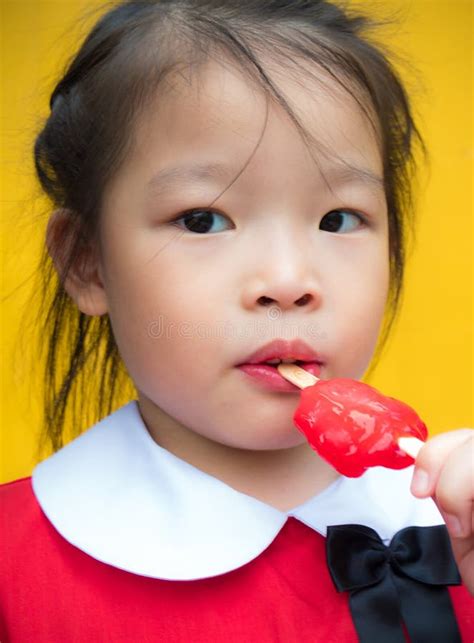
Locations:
(269, 443)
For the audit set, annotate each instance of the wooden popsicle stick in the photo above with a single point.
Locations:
(296, 375)
(299, 377)
(411, 446)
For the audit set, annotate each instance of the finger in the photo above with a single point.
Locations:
(454, 491)
(432, 458)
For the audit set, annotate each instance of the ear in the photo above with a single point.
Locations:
(83, 282)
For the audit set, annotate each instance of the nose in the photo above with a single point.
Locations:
(285, 302)
(287, 283)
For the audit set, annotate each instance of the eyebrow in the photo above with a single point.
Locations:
(173, 177)
(346, 173)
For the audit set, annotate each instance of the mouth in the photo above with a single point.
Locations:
(276, 361)
(266, 374)
(261, 365)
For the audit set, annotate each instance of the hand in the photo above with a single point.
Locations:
(444, 469)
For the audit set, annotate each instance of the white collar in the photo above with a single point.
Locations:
(114, 493)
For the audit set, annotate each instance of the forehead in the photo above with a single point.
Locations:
(217, 112)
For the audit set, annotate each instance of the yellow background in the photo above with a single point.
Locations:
(429, 360)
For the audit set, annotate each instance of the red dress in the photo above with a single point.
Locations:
(113, 538)
(51, 592)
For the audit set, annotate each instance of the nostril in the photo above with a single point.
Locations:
(303, 300)
(265, 301)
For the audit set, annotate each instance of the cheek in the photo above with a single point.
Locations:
(369, 297)
(164, 330)
(358, 281)
(360, 312)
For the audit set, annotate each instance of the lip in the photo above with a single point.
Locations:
(270, 378)
(295, 349)
(268, 375)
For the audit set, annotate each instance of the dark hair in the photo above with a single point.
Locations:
(90, 129)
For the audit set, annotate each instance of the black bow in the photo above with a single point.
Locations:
(404, 582)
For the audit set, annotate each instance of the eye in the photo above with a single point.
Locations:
(341, 221)
(202, 221)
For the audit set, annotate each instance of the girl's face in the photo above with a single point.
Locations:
(187, 306)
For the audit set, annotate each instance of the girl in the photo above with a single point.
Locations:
(230, 182)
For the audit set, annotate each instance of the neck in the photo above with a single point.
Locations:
(282, 478)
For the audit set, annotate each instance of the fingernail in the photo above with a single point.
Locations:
(453, 524)
(420, 482)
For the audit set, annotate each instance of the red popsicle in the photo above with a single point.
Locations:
(353, 426)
